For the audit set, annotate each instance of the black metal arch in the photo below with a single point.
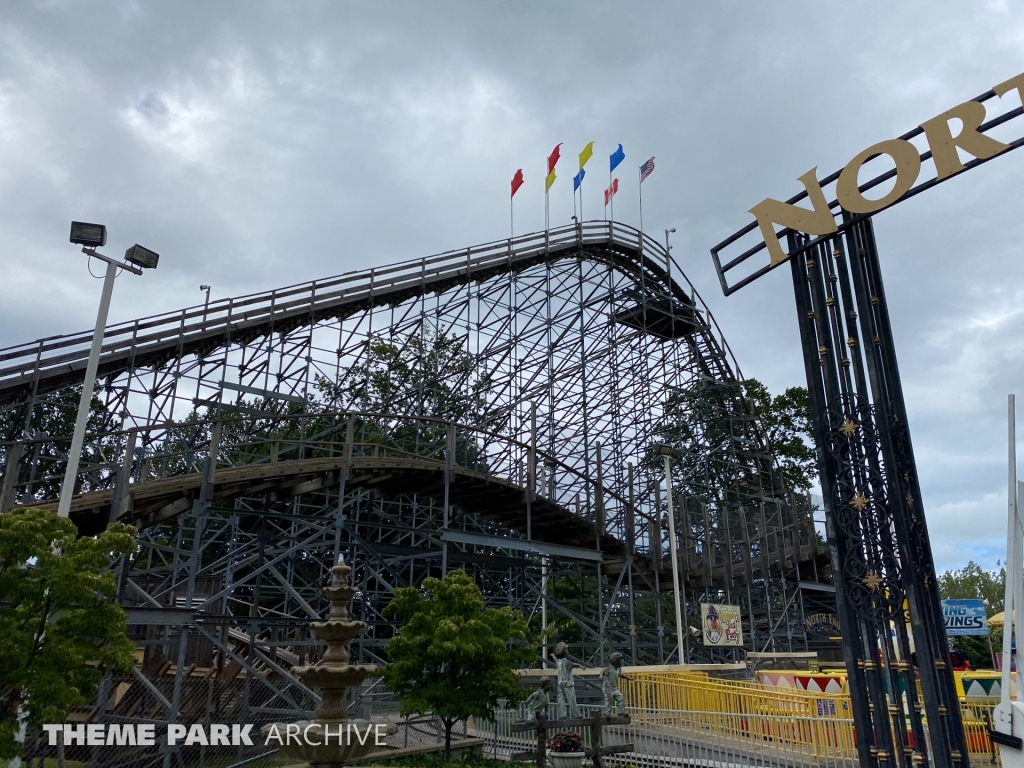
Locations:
(846, 220)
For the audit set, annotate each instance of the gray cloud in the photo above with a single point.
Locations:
(260, 144)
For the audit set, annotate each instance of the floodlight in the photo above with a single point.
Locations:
(666, 450)
(136, 258)
(141, 257)
(89, 235)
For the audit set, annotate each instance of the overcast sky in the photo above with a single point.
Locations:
(255, 145)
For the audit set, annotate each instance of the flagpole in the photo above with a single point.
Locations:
(517, 182)
(611, 197)
(641, 188)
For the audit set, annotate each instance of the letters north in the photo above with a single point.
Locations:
(941, 142)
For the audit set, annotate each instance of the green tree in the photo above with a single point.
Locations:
(53, 416)
(701, 423)
(452, 656)
(786, 423)
(184, 445)
(578, 594)
(426, 372)
(973, 581)
(59, 627)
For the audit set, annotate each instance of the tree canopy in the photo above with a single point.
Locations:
(453, 657)
(55, 417)
(428, 372)
(699, 422)
(973, 581)
(425, 373)
(786, 421)
(59, 627)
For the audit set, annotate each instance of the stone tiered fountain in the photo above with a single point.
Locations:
(333, 675)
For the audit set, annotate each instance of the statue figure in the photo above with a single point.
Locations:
(539, 700)
(614, 701)
(566, 685)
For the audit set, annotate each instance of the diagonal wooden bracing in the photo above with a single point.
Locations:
(524, 451)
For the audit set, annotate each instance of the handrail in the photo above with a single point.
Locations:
(559, 237)
(149, 334)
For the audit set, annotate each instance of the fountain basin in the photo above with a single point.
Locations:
(334, 676)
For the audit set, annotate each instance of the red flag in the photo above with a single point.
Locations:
(553, 158)
(608, 193)
(517, 182)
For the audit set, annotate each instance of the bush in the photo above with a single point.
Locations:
(453, 657)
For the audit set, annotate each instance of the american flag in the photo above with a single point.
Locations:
(646, 170)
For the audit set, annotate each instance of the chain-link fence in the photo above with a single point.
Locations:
(136, 699)
(663, 735)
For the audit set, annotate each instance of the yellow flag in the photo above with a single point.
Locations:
(550, 180)
(585, 154)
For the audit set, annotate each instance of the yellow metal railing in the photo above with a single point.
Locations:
(978, 718)
(817, 723)
(697, 691)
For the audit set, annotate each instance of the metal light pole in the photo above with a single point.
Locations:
(668, 252)
(668, 453)
(206, 304)
(95, 235)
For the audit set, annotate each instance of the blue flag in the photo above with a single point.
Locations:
(617, 157)
(578, 179)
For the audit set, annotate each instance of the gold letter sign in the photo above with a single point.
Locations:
(944, 146)
(817, 222)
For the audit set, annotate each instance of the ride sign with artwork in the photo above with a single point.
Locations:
(721, 624)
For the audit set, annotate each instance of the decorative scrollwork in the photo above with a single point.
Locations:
(868, 555)
(917, 543)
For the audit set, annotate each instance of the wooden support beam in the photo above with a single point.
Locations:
(7, 488)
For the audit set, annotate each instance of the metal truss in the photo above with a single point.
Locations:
(491, 409)
(873, 497)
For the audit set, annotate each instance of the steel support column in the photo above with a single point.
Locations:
(876, 526)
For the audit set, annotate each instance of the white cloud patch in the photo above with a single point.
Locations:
(196, 122)
(968, 529)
